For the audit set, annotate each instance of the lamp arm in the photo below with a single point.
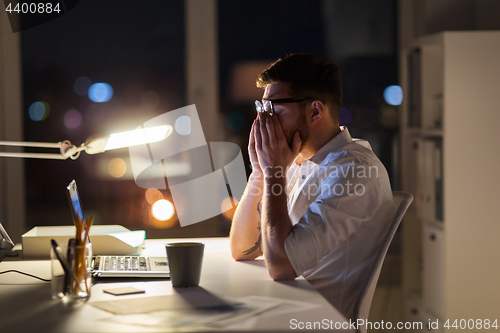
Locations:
(66, 150)
(93, 145)
(69, 150)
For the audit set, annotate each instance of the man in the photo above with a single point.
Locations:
(317, 203)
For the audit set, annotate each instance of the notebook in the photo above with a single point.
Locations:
(118, 266)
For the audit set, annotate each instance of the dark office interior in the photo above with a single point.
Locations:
(145, 52)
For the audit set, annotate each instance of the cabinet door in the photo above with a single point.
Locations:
(413, 315)
(417, 319)
(433, 269)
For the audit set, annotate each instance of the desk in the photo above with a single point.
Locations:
(26, 304)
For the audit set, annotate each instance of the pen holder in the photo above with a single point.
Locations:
(63, 283)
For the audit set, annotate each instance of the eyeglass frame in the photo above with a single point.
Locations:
(260, 104)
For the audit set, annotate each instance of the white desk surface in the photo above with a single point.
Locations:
(26, 304)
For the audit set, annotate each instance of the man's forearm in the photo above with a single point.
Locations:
(245, 235)
(276, 226)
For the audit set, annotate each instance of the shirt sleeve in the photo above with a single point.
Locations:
(342, 207)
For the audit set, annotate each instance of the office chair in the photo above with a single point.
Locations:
(402, 201)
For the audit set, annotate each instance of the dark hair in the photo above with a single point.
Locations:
(310, 76)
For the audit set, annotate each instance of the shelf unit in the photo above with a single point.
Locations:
(450, 162)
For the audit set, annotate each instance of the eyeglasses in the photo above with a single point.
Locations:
(267, 105)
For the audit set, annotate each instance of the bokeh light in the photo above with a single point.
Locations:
(100, 92)
(393, 95)
(72, 119)
(227, 207)
(183, 125)
(39, 111)
(162, 210)
(153, 195)
(235, 121)
(389, 117)
(82, 85)
(117, 167)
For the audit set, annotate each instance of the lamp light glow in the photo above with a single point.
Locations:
(138, 137)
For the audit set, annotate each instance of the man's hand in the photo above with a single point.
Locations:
(272, 148)
(252, 153)
(275, 156)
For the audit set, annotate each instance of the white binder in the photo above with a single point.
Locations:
(106, 240)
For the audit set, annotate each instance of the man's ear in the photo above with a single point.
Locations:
(317, 112)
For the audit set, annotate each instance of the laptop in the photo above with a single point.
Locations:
(6, 245)
(118, 266)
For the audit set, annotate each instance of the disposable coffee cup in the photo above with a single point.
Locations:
(184, 260)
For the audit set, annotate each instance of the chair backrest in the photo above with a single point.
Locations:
(402, 201)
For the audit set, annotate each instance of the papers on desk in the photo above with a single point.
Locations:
(186, 300)
(231, 314)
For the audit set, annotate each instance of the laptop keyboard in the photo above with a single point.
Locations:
(121, 263)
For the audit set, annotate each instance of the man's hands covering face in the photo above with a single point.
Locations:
(252, 152)
(268, 146)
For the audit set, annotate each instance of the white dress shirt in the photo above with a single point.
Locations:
(340, 203)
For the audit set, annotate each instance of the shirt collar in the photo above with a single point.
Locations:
(338, 141)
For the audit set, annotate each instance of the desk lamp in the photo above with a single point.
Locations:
(93, 145)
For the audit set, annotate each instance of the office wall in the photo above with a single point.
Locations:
(12, 203)
(202, 81)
